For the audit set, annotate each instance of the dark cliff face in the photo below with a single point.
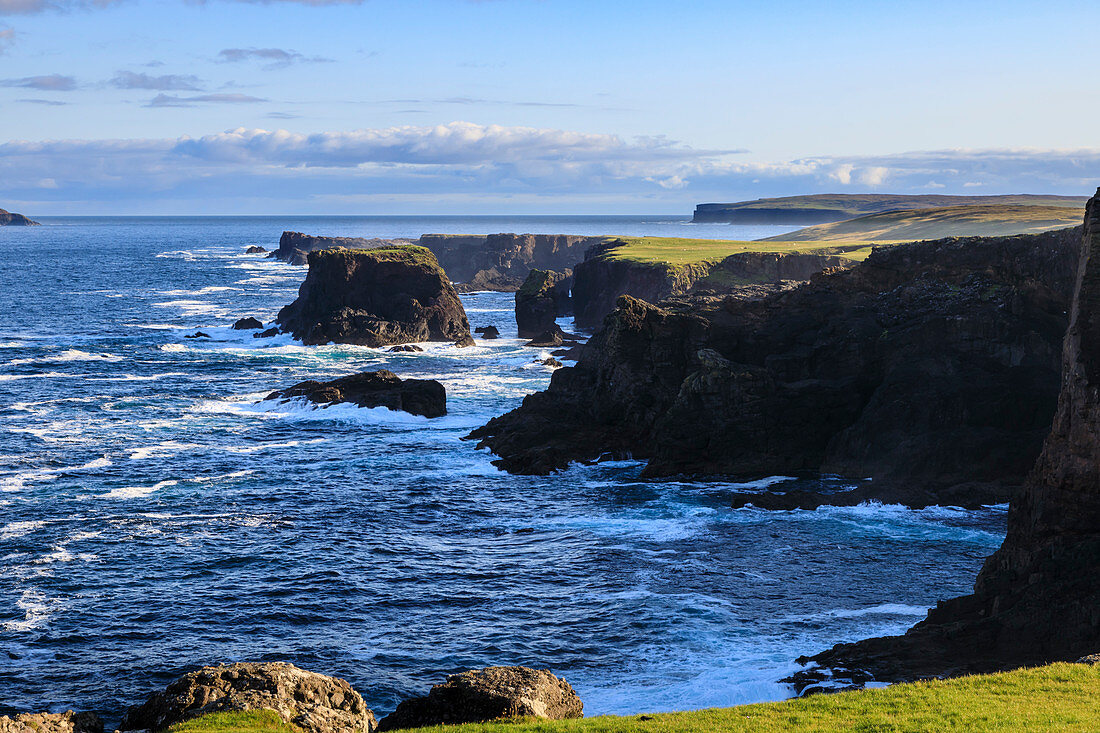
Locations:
(375, 297)
(294, 247)
(1037, 599)
(510, 256)
(543, 297)
(931, 365)
(8, 218)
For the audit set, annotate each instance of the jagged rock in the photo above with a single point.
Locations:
(1037, 599)
(267, 333)
(311, 701)
(67, 722)
(410, 348)
(489, 694)
(548, 339)
(543, 297)
(294, 247)
(198, 335)
(492, 280)
(255, 250)
(11, 219)
(248, 324)
(551, 362)
(488, 332)
(931, 367)
(502, 261)
(390, 295)
(465, 341)
(382, 388)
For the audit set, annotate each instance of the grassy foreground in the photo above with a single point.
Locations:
(680, 252)
(1058, 697)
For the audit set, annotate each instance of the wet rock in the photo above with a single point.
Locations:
(248, 324)
(465, 342)
(314, 702)
(198, 335)
(409, 348)
(389, 295)
(382, 388)
(489, 694)
(266, 334)
(551, 362)
(488, 332)
(543, 297)
(255, 250)
(67, 722)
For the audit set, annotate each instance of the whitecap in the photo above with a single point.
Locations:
(136, 492)
(16, 481)
(36, 611)
(19, 529)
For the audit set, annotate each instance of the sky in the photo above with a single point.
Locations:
(536, 106)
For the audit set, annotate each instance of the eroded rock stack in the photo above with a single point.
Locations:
(389, 295)
(382, 388)
(543, 297)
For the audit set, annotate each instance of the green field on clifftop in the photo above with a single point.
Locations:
(1058, 697)
(855, 204)
(678, 252)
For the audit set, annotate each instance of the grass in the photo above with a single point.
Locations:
(678, 252)
(1058, 697)
(950, 221)
(411, 253)
(857, 204)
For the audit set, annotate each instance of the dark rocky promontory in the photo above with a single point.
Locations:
(294, 247)
(502, 261)
(11, 219)
(492, 693)
(382, 388)
(543, 297)
(931, 367)
(1037, 599)
(377, 297)
(313, 702)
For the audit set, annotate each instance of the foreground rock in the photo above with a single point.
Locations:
(68, 722)
(543, 297)
(383, 388)
(931, 367)
(314, 702)
(1037, 599)
(489, 694)
(294, 247)
(10, 219)
(389, 295)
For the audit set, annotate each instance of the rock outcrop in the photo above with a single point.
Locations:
(382, 388)
(255, 250)
(248, 324)
(932, 366)
(489, 694)
(311, 701)
(600, 279)
(388, 295)
(1037, 599)
(67, 722)
(294, 247)
(502, 261)
(543, 297)
(11, 219)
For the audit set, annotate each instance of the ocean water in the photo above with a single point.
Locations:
(156, 515)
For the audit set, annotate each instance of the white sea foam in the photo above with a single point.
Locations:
(302, 411)
(173, 348)
(190, 308)
(36, 610)
(883, 609)
(43, 375)
(137, 378)
(201, 291)
(16, 481)
(19, 529)
(167, 449)
(136, 492)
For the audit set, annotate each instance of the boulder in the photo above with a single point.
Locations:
(382, 388)
(67, 722)
(465, 342)
(255, 250)
(10, 219)
(543, 297)
(489, 694)
(488, 332)
(248, 324)
(267, 333)
(198, 335)
(389, 295)
(314, 702)
(409, 348)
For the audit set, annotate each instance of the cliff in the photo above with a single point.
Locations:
(502, 261)
(1037, 599)
(543, 297)
(10, 219)
(932, 367)
(294, 247)
(375, 297)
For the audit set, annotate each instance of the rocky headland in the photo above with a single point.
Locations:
(930, 367)
(375, 297)
(11, 219)
(543, 297)
(294, 247)
(1037, 599)
(382, 388)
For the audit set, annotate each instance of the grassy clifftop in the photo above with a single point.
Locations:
(952, 221)
(1058, 697)
(678, 252)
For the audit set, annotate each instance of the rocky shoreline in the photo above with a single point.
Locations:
(11, 219)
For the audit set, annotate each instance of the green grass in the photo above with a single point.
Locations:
(678, 252)
(857, 204)
(252, 721)
(950, 221)
(1058, 697)
(411, 253)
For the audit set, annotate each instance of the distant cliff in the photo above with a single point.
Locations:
(9, 219)
(295, 246)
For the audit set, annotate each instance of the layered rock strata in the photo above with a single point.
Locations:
(931, 367)
(389, 295)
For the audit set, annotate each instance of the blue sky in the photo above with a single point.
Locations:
(535, 106)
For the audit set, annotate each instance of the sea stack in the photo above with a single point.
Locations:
(1037, 599)
(377, 297)
(543, 297)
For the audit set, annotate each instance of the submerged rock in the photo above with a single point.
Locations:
(11, 219)
(390, 295)
(543, 297)
(248, 324)
(314, 702)
(198, 335)
(489, 694)
(255, 250)
(382, 388)
(1037, 599)
(67, 722)
(267, 333)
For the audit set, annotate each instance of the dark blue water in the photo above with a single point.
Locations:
(156, 516)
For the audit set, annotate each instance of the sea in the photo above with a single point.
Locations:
(157, 514)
